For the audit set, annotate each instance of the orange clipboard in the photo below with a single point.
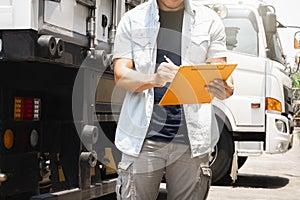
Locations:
(188, 85)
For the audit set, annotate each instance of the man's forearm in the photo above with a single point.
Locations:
(135, 81)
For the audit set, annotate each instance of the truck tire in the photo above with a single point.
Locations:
(220, 163)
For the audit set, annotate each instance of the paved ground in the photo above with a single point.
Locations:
(265, 177)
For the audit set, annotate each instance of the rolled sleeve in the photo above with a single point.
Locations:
(217, 48)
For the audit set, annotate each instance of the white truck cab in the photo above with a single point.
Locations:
(257, 119)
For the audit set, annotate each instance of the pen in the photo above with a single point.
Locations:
(168, 60)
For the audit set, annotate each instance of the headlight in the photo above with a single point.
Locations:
(281, 126)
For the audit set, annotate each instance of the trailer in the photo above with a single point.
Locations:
(57, 119)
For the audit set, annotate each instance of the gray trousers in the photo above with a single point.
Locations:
(187, 178)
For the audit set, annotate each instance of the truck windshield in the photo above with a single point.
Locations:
(241, 35)
(275, 49)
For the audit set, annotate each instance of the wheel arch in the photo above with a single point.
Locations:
(222, 118)
(222, 156)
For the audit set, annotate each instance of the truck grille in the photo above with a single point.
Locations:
(288, 100)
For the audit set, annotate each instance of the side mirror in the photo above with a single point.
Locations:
(270, 23)
(297, 46)
(297, 40)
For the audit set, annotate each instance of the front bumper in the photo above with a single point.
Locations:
(278, 141)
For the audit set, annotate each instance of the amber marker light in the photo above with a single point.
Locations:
(273, 104)
(8, 139)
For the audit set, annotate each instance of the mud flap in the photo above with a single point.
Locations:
(109, 162)
(61, 175)
(234, 166)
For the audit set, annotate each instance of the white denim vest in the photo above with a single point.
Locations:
(203, 37)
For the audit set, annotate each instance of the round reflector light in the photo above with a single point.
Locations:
(34, 137)
(8, 139)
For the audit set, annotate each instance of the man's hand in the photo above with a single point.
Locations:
(220, 88)
(129, 79)
(165, 73)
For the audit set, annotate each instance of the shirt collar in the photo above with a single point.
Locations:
(188, 8)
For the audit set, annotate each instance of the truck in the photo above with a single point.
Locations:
(258, 118)
(59, 105)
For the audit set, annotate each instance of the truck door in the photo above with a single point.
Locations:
(244, 43)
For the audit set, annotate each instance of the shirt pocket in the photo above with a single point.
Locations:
(198, 48)
(140, 37)
(142, 52)
(200, 39)
(140, 48)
